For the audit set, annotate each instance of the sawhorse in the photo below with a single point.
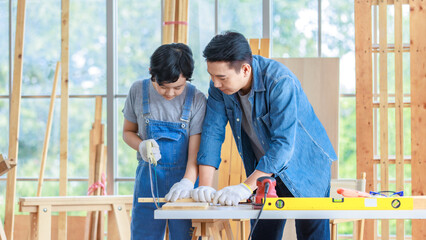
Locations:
(41, 209)
(206, 228)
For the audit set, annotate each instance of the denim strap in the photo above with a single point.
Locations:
(145, 96)
(188, 102)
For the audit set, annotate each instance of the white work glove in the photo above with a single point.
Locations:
(232, 195)
(180, 190)
(155, 150)
(203, 194)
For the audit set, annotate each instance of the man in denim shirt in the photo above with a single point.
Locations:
(275, 128)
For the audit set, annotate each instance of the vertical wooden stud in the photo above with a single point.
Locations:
(418, 106)
(169, 18)
(383, 77)
(14, 119)
(364, 98)
(399, 107)
(63, 178)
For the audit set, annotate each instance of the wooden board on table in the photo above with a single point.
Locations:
(185, 205)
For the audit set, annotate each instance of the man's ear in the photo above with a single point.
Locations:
(246, 68)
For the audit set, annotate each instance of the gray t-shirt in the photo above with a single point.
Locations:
(247, 126)
(162, 109)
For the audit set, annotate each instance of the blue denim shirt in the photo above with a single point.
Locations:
(297, 148)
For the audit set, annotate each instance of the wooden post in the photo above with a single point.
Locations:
(63, 178)
(384, 155)
(168, 19)
(48, 128)
(399, 107)
(181, 22)
(14, 119)
(418, 106)
(364, 98)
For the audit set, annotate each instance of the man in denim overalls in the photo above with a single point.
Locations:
(167, 112)
(275, 129)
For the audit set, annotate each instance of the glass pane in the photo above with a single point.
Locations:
(2, 197)
(244, 16)
(4, 46)
(4, 126)
(42, 46)
(294, 28)
(347, 138)
(81, 117)
(201, 31)
(126, 156)
(87, 48)
(125, 188)
(138, 35)
(338, 39)
(34, 114)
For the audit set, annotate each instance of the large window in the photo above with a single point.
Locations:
(297, 29)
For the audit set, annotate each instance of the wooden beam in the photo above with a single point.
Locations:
(15, 107)
(63, 178)
(418, 106)
(364, 98)
(47, 133)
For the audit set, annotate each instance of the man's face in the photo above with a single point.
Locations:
(226, 79)
(171, 90)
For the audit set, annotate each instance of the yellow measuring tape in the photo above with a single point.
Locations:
(338, 204)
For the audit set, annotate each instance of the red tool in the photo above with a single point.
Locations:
(265, 184)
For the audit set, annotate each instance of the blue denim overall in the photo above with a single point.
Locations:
(172, 137)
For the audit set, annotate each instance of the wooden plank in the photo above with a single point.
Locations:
(264, 47)
(235, 170)
(63, 178)
(161, 200)
(44, 222)
(48, 129)
(225, 155)
(14, 119)
(168, 18)
(75, 200)
(383, 65)
(254, 45)
(389, 2)
(399, 123)
(122, 219)
(75, 224)
(319, 78)
(185, 205)
(418, 109)
(364, 98)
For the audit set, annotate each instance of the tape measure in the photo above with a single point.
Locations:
(388, 203)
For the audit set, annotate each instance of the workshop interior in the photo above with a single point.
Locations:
(77, 79)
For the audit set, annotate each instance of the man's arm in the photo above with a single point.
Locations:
(206, 175)
(251, 180)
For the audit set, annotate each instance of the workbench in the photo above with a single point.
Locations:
(245, 211)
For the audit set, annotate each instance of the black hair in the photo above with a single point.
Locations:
(231, 47)
(169, 61)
